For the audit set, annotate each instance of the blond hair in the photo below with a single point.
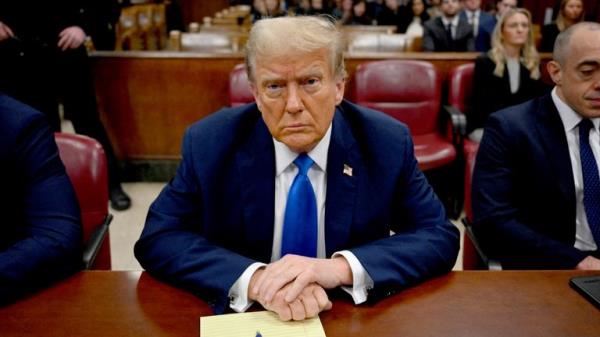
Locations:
(529, 55)
(284, 36)
(560, 18)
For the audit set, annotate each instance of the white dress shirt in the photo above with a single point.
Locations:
(514, 73)
(453, 22)
(473, 18)
(285, 172)
(584, 239)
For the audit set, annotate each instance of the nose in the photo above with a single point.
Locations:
(293, 101)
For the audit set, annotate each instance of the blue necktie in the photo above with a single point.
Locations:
(591, 180)
(300, 221)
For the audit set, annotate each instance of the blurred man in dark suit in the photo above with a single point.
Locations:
(449, 32)
(40, 229)
(536, 186)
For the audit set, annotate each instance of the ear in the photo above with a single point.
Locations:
(340, 87)
(254, 90)
(555, 72)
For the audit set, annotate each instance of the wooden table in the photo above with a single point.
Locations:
(527, 303)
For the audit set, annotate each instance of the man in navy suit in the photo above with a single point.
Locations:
(483, 24)
(40, 230)
(536, 199)
(221, 227)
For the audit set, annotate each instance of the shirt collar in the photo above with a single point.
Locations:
(453, 21)
(569, 117)
(284, 157)
(475, 13)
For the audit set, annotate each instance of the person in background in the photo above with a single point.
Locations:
(393, 14)
(359, 14)
(40, 230)
(435, 9)
(100, 18)
(502, 6)
(419, 16)
(43, 62)
(483, 24)
(508, 74)
(570, 12)
(267, 9)
(535, 186)
(318, 7)
(338, 9)
(277, 201)
(374, 7)
(449, 32)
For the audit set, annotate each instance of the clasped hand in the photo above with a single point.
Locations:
(294, 287)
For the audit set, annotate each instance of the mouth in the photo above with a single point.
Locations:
(295, 127)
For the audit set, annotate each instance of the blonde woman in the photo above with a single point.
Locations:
(509, 73)
(570, 12)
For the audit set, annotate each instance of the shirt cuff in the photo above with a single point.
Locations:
(238, 293)
(361, 280)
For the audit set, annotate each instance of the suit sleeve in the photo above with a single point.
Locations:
(50, 247)
(496, 217)
(428, 43)
(425, 243)
(172, 245)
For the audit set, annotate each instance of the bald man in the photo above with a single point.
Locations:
(536, 199)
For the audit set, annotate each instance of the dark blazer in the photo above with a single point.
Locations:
(549, 34)
(434, 36)
(523, 189)
(492, 93)
(40, 231)
(216, 216)
(487, 23)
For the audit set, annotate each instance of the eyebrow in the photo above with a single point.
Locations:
(583, 63)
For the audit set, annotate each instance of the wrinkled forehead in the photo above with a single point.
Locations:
(294, 62)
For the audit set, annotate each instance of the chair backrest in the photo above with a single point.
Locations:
(460, 86)
(407, 90)
(239, 86)
(85, 162)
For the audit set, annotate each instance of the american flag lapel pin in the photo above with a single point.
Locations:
(347, 170)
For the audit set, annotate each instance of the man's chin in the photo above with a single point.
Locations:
(299, 144)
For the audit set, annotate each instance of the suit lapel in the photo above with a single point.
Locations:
(551, 131)
(344, 167)
(257, 175)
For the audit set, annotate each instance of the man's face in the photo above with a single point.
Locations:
(472, 5)
(505, 5)
(391, 4)
(450, 7)
(297, 95)
(578, 79)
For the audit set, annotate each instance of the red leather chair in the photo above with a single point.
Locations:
(239, 87)
(85, 162)
(410, 91)
(460, 90)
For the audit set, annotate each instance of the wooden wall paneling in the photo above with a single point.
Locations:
(147, 99)
(195, 10)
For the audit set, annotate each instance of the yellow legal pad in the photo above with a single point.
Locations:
(267, 323)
